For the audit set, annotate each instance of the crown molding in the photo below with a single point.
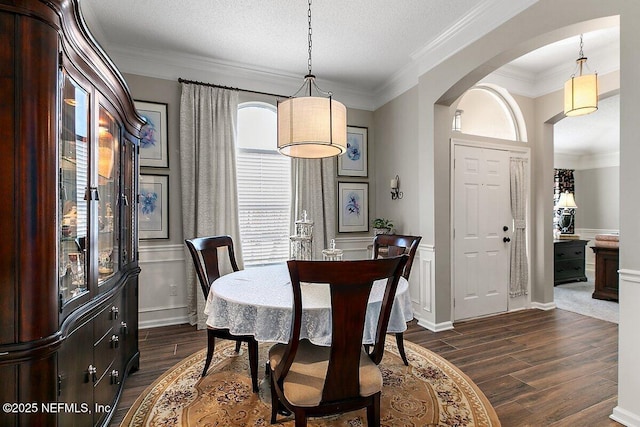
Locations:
(170, 65)
(483, 18)
(480, 20)
(520, 82)
(399, 83)
(586, 161)
(595, 161)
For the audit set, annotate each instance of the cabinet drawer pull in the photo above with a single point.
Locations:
(115, 377)
(91, 370)
(123, 327)
(114, 341)
(114, 312)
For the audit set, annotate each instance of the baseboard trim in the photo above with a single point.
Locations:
(435, 327)
(167, 321)
(625, 417)
(544, 306)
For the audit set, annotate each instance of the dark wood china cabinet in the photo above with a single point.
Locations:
(68, 253)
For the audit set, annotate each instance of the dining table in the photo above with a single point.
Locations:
(258, 301)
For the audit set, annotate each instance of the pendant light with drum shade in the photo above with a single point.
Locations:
(581, 91)
(309, 126)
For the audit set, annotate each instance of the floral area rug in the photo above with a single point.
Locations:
(428, 392)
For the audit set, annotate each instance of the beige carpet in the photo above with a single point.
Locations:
(429, 392)
(577, 297)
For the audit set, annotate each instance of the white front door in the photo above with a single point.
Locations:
(481, 243)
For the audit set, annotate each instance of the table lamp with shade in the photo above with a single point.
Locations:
(566, 209)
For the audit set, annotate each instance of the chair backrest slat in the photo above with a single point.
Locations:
(204, 252)
(350, 284)
(397, 244)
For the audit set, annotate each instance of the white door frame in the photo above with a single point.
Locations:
(516, 149)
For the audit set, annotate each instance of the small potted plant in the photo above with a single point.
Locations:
(382, 226)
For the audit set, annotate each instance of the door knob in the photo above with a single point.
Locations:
(506, 239)
(505, 228)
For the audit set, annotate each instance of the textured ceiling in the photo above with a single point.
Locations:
(359, 44)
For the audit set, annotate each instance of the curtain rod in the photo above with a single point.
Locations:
(181, 80)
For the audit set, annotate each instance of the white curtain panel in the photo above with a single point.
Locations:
(208, 118)
(314, 190)
(519, 275)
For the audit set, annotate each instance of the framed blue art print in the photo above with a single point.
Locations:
(354, 161)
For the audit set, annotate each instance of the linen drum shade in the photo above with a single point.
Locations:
(312, 127)
(581, 95)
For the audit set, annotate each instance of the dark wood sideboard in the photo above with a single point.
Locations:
(569, 261)
(607, 265)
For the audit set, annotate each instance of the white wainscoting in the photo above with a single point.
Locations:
(590, 235)
(628, 410)
(162, 291)
(354, 247)
(163, 273)
(421, 281)
(423, 292)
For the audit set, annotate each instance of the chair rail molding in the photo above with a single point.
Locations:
(590, 234)
(162, 253)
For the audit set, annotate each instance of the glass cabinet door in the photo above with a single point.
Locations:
(74, 183)
(128, 200)
(108, 195)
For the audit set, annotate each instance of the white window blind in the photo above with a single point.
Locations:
(264, 189)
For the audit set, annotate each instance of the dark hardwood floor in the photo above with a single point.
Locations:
(538, 368)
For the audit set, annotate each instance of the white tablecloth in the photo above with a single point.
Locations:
(258, 301)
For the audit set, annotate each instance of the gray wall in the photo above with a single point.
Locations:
(396, 148)
(168, 92)
(152, 89)
(597, 196)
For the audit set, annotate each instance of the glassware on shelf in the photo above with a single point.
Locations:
(108, 185)
(105, 265)
(108, 218)
(74, 177)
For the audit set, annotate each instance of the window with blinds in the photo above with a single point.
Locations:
(264, 187)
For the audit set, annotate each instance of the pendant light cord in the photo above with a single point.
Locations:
(580, 54)
(310, 32)
(310, 80)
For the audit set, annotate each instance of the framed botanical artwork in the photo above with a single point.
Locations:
(153, 209)
(353, 207)
(354, 161)
(153, 136)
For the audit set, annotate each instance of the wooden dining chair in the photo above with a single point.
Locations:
(204, 251)
(398, 244)
(311, 380)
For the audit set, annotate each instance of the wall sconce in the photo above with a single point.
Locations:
(395, 189)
